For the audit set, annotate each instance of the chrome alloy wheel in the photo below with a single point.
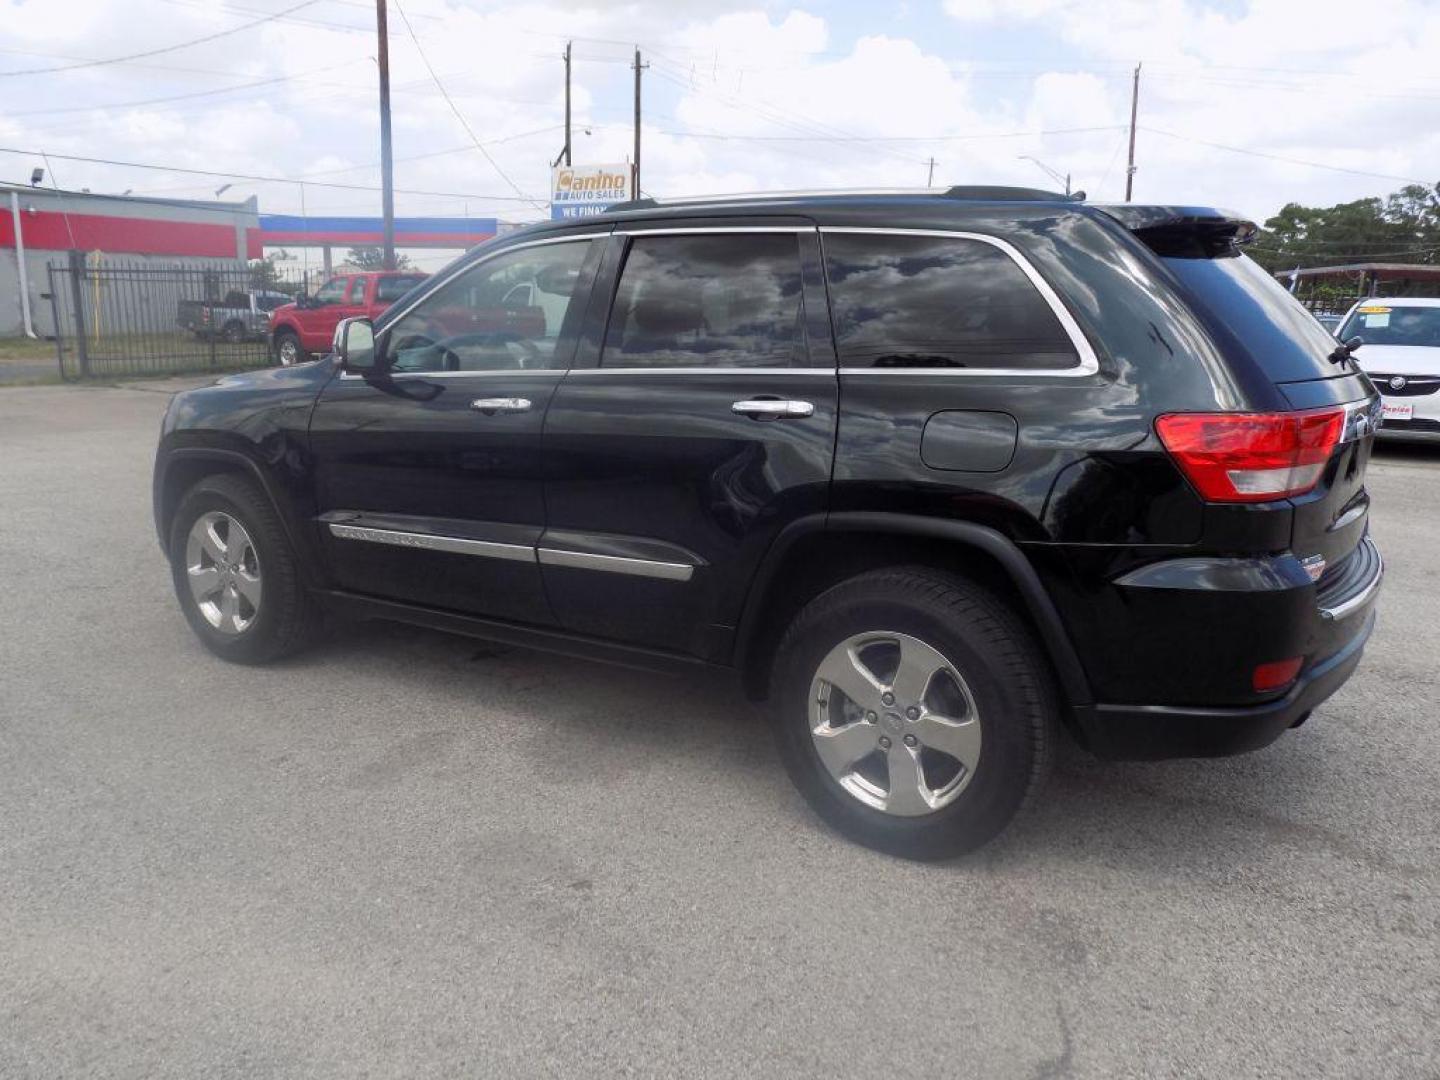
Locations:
(289, 350)
(223, 570)
(894, 723)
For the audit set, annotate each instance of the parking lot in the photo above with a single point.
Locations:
(407, 854)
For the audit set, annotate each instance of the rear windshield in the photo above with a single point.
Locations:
(1280, 334)
(1384, 324)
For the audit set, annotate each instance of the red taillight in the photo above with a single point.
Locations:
(1276, 674)
(1252, 457)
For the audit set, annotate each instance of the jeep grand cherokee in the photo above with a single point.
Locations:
(945, 477)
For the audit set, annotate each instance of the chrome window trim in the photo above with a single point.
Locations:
(555, 372)
(457, 545)
(702, 230)
(615, 564)
(658, 370)
(1089, 362)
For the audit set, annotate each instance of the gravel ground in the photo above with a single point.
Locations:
(412, 855)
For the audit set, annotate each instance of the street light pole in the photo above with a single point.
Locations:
(387, 163)
(1054, 174)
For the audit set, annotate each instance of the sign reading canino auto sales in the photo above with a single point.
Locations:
(583, 190)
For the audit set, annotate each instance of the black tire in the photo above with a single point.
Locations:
(288, 342)
(234, 331)
(287, 618)
(998, 659)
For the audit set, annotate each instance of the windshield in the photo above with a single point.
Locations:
(1387, 324)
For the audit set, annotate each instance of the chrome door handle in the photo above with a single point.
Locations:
(491, 405)
(772, 409)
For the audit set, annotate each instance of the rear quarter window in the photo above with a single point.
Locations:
(1277, 331)
(922, 301)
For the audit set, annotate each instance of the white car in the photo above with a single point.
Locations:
(1401, 355)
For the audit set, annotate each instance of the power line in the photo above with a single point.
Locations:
(270, 80)
(165, 49)
(1280, 157)
(261, 179)
(458, 115)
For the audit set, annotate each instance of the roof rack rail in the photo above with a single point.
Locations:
(959, 191)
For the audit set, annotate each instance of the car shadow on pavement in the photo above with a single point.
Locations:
(596, 724)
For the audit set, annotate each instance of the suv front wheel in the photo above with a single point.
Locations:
(235, 575)
(913, 710)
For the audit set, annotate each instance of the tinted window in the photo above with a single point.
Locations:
(1284, 339)
(468, 324)
(718, 300)
(936, 301)
(1382, 323)
(392, 288)
(357, 290)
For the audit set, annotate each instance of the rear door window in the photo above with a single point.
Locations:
(920, 301)
(391, 289)
(1284, 338)
(708, 300)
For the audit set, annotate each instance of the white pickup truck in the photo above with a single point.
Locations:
(239, 316)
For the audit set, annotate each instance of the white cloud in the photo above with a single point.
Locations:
(738, 96)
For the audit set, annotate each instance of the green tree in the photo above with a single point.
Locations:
(1403, 227)
(372, 258)
(265, 273)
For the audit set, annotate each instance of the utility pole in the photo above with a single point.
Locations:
(635, 168)
(567, 104)
(930, 179)
(1130, 161)
(387, 163)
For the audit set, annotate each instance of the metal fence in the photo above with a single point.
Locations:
(119, 319)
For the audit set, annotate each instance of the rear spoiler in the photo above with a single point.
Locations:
(1185, 231)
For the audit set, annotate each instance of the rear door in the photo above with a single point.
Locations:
(430, 474)
(698, 422)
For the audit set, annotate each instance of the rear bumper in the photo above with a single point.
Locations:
(1150, 732)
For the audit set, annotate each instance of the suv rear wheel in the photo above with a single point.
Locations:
(914, 711)
(235, 576)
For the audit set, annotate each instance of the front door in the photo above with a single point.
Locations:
(698, 421)
(430, 473)
(317, 318)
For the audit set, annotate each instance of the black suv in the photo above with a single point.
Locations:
(940, 475)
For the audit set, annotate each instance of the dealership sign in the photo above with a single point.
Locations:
(584, 190)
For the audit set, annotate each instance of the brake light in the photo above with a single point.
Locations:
(1252, 457)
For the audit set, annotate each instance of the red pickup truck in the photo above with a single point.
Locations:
(307, 326)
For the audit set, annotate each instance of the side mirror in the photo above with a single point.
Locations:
(355, 345)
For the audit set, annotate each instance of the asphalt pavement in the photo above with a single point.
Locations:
(412, 855)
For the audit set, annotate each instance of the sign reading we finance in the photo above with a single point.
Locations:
(583, 190)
